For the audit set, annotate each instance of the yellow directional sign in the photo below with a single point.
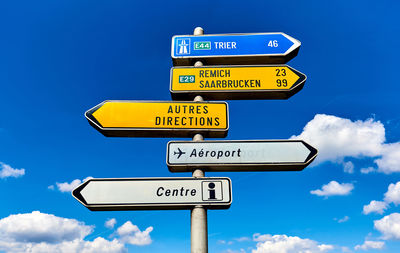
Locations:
(159, 118)
(236, 82)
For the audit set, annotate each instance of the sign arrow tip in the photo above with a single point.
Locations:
(76, 193)
(313, 153)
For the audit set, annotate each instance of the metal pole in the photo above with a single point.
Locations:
(198, 215)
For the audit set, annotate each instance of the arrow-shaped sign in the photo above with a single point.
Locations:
(251, 155)
(250, 48)
(235, 82)
(159, 118)
(154, 193)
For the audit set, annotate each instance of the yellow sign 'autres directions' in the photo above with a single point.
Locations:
(236, 82)
(159, 118)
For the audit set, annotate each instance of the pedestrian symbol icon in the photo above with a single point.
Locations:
(182, 46)
(212, 190)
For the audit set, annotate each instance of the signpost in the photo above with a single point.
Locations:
(154, 193)
(200, 119)
(235, 82)
(249, 155)
(249, 48)
(159, 118)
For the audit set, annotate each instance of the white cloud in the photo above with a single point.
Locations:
(390, 161)
(98, 245)
(367, 170)
(389, 226)
(348, 167)
(337, 138)
(375, 207)
(69, 187)
(235, 251)
(393, 194)
(110, 223)
(7, 171)
(346, 249)
(225, 242)
(344, 219)
(370, 245)
(38, 232)
(257, 237)
(243, 239)
(287, 244)
(334, 188)
(131, 234)
(40, 227)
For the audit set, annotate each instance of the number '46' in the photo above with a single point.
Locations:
(273, 43)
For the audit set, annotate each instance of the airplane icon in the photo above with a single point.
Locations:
(179, 153)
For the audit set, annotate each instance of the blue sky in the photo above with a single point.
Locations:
(61, 58)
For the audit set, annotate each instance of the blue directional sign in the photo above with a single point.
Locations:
(251, 48)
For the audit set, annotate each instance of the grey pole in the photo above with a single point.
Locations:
(198, 215)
